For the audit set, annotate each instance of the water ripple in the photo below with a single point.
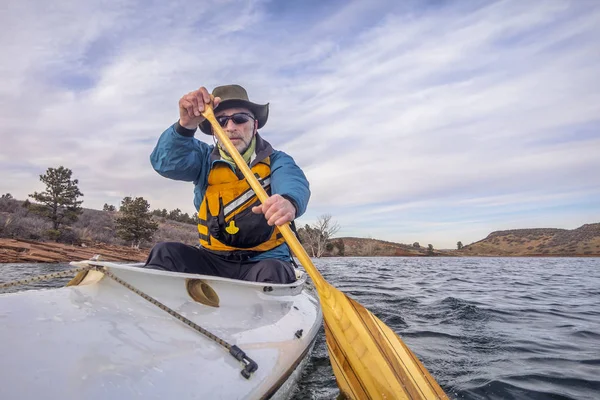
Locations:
(473, 320)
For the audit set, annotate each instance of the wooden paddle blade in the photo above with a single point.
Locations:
(369, 360)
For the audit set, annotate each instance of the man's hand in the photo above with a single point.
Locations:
(191, 106)
(277, 210)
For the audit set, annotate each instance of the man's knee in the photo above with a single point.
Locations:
(166, 247)
(271, 270)
(167, 256)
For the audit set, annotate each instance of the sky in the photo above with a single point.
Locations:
(414, 121)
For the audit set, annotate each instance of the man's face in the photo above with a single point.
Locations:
(239, 134)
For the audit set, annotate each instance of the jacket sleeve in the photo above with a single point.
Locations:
(180, 156)
(288, 180)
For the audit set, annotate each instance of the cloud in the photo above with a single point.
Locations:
(406, 118)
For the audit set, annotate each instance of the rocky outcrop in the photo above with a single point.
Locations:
(24, 251)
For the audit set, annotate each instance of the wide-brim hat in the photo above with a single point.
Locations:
(234, 96)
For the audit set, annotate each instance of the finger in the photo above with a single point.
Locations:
(194, 100)
(204, 95)
(189, 107)
(200, 100)
(284, 219)
(271, 200)
(272, 218)
(272, 205)
(279, 218)
(270, 211)
(257, 209)
(216, 102)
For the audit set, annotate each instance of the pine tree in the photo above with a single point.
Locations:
(59, 201)
(109, 207)
(175, 214)
(135, 224)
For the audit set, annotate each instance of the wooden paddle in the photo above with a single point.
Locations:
(369, 360)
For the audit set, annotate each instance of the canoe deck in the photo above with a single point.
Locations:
(100, 340)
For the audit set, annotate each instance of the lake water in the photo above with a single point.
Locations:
(486, 328)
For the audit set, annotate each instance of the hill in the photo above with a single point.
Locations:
(367, 247)
(583, 241)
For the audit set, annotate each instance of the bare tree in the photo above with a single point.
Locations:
(316, 237)
(369, 246)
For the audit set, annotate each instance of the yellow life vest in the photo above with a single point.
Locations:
(226, 222)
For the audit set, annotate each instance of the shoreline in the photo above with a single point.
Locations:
(29, 251)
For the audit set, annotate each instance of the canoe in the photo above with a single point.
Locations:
(98, 339)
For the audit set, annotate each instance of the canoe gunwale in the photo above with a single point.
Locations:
(270, 289)
(273, 390)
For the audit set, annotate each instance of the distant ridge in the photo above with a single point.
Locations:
(583, 241)
(22, 239)
(367, 247)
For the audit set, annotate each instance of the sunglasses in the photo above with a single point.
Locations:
(237, 118)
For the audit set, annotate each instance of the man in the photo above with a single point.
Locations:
(239, 238)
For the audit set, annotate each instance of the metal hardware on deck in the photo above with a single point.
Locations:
(268, 289)
(298, 333)
(239, 355)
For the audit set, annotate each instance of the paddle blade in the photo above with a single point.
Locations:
(369, 360)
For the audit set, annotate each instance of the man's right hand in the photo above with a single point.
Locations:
(191, 106)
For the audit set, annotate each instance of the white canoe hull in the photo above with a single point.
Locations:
(100, 340)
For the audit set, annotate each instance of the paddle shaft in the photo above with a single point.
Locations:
(370, 360)
(262, 195)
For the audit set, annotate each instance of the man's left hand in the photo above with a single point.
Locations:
(277, 210)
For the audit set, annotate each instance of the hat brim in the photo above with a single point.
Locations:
(260, 111)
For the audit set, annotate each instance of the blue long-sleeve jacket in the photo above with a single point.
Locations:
(180, 156)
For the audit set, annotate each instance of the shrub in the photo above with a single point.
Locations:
(176, 232)
(9, 205)
(68, 236)
(52, 234)
(18, 227)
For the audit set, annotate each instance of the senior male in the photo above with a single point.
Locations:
(239, 238)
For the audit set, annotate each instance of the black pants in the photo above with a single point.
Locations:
(179, 257)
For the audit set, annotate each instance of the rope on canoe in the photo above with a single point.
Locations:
(38, 278)
(249, 365)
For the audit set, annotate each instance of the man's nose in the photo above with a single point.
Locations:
(230, 125)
